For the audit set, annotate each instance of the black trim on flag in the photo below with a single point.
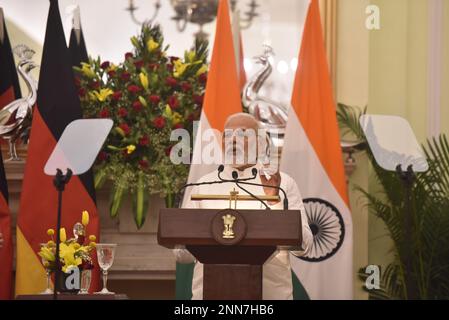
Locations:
(78, 51)
(57, 98)
(8, 71)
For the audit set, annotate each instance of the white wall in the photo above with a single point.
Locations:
(108, 27)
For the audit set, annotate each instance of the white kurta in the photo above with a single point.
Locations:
(277, 279)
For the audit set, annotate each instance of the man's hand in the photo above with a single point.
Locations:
(274, 181)
(1, 240)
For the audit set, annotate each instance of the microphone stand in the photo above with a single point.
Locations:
(285, 201)
(220, 169)
(59, 182)
(237, 181)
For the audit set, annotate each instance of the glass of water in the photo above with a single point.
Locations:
(48, 270)
(105, 255)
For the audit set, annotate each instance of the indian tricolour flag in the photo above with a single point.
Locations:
(221, 99)
(313, 157)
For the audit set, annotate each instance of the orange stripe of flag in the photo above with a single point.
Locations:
(222, 97)
(313, 101)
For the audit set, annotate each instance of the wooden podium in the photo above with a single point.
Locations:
(233, 245)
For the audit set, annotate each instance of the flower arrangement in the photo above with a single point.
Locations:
(147, 96)
(73, 252)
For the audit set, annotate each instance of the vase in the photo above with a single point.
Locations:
(86, 279)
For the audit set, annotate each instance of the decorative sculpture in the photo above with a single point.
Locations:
(271, 115)
(15, 118)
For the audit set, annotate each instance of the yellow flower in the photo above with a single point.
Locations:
(67, 253)
(130, 149)
(168, 113)
(112, 67)
(103, 94)
(50, 232)
(87, 70)
(144, 80)
(190, 56)
(92, 244)
(46, 254)
(51, 243)
(152, 45)
(176, 118)
(179, 68)
(76, 246)
(92, 237)
(135, 42)
(62, 235)
(201, 70)
(143, 101)
(85, 218)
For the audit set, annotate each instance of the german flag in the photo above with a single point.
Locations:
(57, 106)
(9, 91)
(9, 83)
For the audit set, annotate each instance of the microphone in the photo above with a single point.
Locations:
(221, 181)
(234, 179)
(196, 184)
(237, 181)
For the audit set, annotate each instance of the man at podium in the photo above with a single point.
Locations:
(277, 278)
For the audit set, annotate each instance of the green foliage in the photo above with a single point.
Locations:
(430, 218)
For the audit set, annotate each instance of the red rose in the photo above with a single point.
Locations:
(122, 112)
(126, 129)
(203, 78)
(134, 89)
(95, 84)
(111, 74)
(137, 106)
(171, 81)
(168, 151)
(155, 99)
(128, 55)
(173, 102)
(144, 141)
(82, 92)
(185, 86)
(159, 122)
(198, 99)
(117, 95)
(178, 126)
(102, 156)
(77, 81)
(170, 67)
(138, 64)
(125, 76)
(105, 65)
(104, 113)
(143, 164)
(153, 66)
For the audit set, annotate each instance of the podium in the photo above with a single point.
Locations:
(233, 245)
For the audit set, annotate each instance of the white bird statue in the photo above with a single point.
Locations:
(15, 118)
(271, 115)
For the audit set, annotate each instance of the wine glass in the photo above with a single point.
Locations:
(105, 255)
(46, 265)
